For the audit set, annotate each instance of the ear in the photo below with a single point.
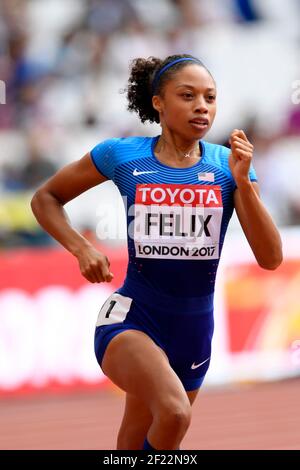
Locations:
(156, 103)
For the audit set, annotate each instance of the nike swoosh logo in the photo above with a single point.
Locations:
(195, 366)
(138, 173)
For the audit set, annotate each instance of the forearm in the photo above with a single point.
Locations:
(259, 227)
(51, 215)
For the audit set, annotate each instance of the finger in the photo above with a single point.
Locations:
(236, 138)
(89, 276)
(97, 272)
(235, 132)
(241, 134)
(241, 145)
(86, 272)
(106, 273)
(109, 277)
(243, 155)
(232, 135)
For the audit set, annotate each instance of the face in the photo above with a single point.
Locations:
(187, 105)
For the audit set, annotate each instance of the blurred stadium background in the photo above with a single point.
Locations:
(63, 65)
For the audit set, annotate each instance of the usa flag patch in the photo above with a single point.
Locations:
(206, 177)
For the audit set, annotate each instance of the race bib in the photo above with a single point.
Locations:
(177, 221)
(114, 310)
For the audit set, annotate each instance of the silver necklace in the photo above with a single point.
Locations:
(184, 154)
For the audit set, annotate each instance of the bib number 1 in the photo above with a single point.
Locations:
(114, 310)
(111, 306)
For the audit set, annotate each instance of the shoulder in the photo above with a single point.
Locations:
(133, 143)
(104, 147)
(110, 153)
(118, 145)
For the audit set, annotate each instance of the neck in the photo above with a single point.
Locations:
(180, 150)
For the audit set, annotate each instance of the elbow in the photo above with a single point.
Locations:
(38, 201)
(273, 263)
(34, 203)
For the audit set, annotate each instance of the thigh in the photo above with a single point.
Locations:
(189, 347)
(138, 366)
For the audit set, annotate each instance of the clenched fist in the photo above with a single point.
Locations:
(94, 266)
(240, 156)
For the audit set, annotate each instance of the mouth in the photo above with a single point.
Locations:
(199, 123)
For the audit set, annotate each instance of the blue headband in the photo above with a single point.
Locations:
(166, 67)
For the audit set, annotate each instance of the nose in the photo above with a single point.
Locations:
(201, 105)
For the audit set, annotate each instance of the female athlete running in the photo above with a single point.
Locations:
(153, 335)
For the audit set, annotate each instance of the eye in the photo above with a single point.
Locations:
(187, 95)
(211, 98)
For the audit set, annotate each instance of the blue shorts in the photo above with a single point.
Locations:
(182, 327)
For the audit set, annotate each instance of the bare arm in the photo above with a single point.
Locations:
(47, 206)
(258, 226)
(255, 220)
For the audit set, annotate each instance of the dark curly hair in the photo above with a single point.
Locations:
(140, 83)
